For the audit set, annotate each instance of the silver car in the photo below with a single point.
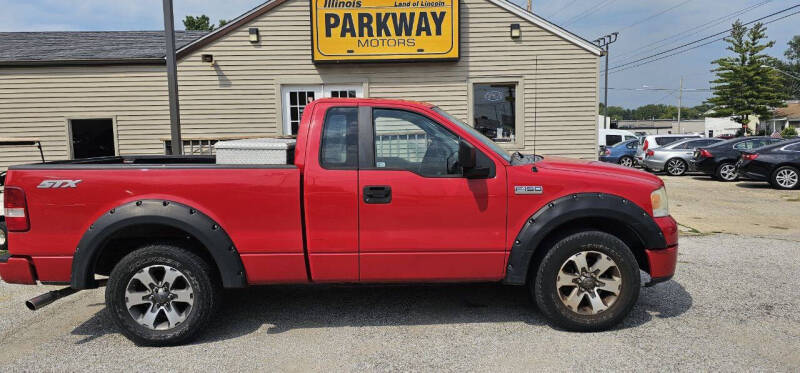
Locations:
(675, 158)
(653, 142)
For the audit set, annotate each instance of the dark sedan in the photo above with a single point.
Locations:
(777, 164)
(719, 160)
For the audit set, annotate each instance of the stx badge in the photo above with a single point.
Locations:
(50, 184)
(525, 189)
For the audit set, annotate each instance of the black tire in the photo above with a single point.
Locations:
(3, 236)
(786, 184)
(676, 171)
(720, 174)
(549, 298)
(627, 161)
(197, 274)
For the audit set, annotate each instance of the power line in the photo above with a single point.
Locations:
(569, 4)
(655, 15)
(688, 32)
(587, 12)
(702, 45)
(705, 38)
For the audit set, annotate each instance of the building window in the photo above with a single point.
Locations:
(296, 97)
(494, 110)
(91, 138)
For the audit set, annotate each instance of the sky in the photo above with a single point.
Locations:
(642, 25)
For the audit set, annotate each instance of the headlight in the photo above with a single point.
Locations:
(658, 199)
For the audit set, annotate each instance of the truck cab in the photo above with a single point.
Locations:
(378, 191)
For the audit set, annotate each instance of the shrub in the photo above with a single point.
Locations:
(789, 132)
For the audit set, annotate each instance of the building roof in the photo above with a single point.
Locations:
(86, 47)
(126, 47)
(505, 4)
(790, 111)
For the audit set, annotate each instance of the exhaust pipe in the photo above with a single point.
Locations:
(39, 302)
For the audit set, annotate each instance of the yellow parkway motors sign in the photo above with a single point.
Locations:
(380, 30)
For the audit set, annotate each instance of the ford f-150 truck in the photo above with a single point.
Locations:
(377, 191)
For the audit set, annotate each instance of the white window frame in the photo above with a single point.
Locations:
(320, 90)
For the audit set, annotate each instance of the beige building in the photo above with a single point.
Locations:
(88, 94)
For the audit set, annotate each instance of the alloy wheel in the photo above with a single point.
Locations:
(626, 161)
(589, 282)
(159, 297)
(676, 167)
(787, 178)
(727, 172)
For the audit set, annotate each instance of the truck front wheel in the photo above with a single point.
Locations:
(161, 295)
(588, 281)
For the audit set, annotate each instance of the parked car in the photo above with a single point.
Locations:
(621, 153)
(719, 160)
(675, 158)
(651, 142)
(611, 137)
(6, 141)
(778, 164)
(348, 208)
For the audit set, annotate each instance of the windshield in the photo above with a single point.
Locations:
(477, 135)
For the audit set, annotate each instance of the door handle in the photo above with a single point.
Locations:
(377, 194)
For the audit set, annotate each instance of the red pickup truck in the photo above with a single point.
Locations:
(378, 191)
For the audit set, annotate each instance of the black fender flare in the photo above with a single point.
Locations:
(572, 207)
(168, 213)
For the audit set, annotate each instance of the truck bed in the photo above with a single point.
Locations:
(136, 161)
(251, 202)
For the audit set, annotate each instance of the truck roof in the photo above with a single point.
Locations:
(374, 101)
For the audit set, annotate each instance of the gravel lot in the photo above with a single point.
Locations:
(732, 306)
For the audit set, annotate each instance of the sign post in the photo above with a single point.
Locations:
(384, 30)
(172, 80)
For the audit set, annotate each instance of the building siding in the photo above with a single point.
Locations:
(240, 94)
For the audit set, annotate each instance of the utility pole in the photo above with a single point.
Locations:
(680, 103)
(172, 80)
(530, 5)
(605, 42)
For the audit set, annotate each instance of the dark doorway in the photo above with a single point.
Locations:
(92, 138)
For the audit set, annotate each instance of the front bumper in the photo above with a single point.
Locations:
(17, 270)
(662, 263)
(705, 165)
(654, 164)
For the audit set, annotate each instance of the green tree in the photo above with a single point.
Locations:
(790, 70)
(200, 23)
(745, 84)
(789, 132)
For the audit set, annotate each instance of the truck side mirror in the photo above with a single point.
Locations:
(467, 156)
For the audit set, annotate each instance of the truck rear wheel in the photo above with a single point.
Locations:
(161, 295)
(588, 281)
(3, 236)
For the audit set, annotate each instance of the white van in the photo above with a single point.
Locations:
(609, 137)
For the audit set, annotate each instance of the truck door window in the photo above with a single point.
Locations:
(409, 141)
(339, 148)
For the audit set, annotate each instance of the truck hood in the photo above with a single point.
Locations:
(608, 170)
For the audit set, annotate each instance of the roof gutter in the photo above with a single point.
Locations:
(85, 62)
